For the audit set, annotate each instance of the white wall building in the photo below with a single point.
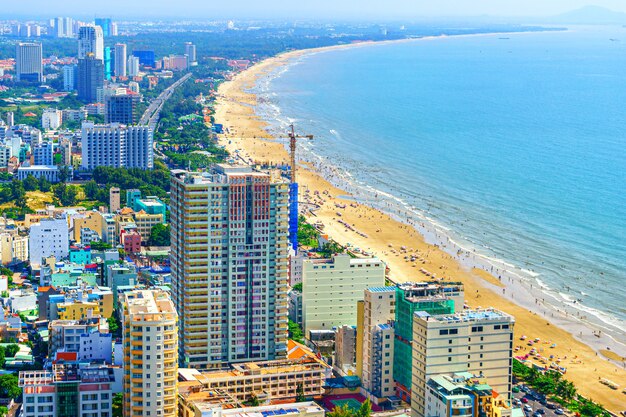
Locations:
(476, 341)
(132, 66)
(51, 119)
(332, 287)
(43, 153)
(90, 41)
(96, 346)
(116, 145)
(49, 172)
(49, 237)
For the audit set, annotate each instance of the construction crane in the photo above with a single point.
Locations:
(292, 148)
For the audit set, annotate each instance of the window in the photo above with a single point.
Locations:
(444, 331)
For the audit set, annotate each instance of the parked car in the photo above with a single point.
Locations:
(541, 411)
(528, 408)
(559, 411)
(524, 400)
(515, 389)
(551, 406)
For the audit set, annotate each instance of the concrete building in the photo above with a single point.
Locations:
(295, 306)
(229, 284)
(475, 341)
(114, 199)
(51, 119)
(276, 381)
(90, 78)
(120, 60)
(67, 390)
(91, 42)
(208, 405)
(145, 222)
(151, 354)
(65, 146)
(49, 237)
(28, 62)
(13, 248)
(190, 51)
(430, 297)
(332, 287)
(377, 338)
(464, 394)
(65, 335)
(116, 145)
(49, 172)
(132, 66)
(122, 108)
(43, 153)
(345, 350)
(69, 77)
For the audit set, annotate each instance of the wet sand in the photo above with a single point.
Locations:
(383, 236)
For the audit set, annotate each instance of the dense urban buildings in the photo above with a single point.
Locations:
(150, 354)
(28, 62)
(229, 256)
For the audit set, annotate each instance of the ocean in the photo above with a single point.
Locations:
(511, 146)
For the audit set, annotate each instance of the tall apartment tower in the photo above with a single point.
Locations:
(28, 62)
(379, 307)
(190, 51)
(150, 325)
(90, 41)
(120, 60)
(90, 78)
(132, 66)
(229, 263)
(122, 108)
(475, 341)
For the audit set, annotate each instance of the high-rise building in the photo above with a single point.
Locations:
(108, 57)
(90, 78)
(379, 307)
(150, 354)
(475, 341)
(133, 66)
(332, 287)
(28, 62)
(113, 29)
(64, 27)
(230, 284)
(69, 77)
(190, 51)
(90, 42)
(105, 24)
(122, 108)
(116, 145)
(146, 57)
(120, 60)
(430, 297)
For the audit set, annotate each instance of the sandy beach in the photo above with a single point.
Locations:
(384, 236)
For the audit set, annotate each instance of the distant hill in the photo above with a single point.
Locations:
(590, 15)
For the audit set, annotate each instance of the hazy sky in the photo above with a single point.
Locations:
(330, 9)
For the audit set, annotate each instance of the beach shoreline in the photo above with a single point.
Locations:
(248, 135)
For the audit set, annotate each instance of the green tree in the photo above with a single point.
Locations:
(44, 185)
(91, 190)
(295, 332)
(300, 393)
(11, 350)
(341, 411)
(118, 400)
(100, 246)
(159, 235)
(365, 410)
(9, 386)
(64, 173)
(252, 401)
(297, 287)
(3, 411)
(31, 183)
(17, 189)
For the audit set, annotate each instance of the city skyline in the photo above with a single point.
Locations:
(278, 9)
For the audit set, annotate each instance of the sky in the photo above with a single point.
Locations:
(330, 9)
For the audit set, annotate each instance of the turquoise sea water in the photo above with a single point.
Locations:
(513, 147)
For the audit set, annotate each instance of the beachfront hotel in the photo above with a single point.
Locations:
(229, 259)
(332, 287)
(150, 354)
(475, 341)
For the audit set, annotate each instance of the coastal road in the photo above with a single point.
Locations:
(535, 405)
(151, 116)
